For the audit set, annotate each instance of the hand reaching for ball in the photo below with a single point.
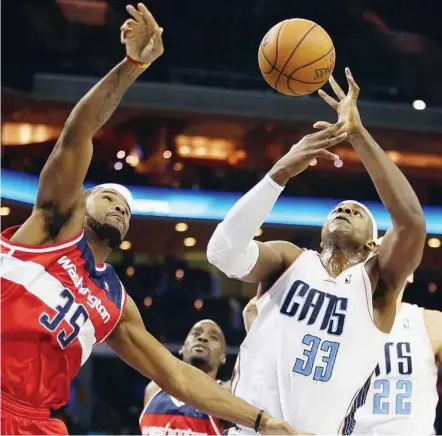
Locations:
(309, 148)
(345, 105)
(142, 35)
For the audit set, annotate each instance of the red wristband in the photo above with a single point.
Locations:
(137, 63)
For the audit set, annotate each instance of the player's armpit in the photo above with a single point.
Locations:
(142, 351)
(250, 313)
(433, 322)
(274, 258)
(151, 389)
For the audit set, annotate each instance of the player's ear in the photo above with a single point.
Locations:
(371, 246)
(181, 352)
(223, 359)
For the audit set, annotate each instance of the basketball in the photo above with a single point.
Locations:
(296, 57)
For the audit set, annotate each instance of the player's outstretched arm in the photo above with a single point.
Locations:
(60, 198)
(402, 247)
(232, 248)
(433, 322)
(143, 352)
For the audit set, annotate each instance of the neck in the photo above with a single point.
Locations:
(337, 259)
(100, 250)
(212, 374)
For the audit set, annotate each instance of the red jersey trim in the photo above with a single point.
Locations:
(123, 306)
(44, 248)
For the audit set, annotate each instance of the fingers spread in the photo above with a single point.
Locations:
(325, 154)
(321, 125)
(329, 100)
(135, 14)
(352, 85)
(147, 16)
(336, 88)
(331, 130)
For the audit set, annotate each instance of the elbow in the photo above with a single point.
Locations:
(217, 250)
(413, 226)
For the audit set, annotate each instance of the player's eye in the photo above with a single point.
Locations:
(106, 197)
(358, 213)
(213, 338)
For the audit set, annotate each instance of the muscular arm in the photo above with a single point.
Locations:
(433, 321)
(408, 233)
(60, 198)
(143, 352)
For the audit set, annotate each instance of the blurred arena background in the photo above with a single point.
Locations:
(201, 123)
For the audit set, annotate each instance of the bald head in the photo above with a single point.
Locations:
(205, 346)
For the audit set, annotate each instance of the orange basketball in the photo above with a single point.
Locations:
(296, 57)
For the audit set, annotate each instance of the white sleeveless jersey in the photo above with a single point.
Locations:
(312, 349)
(403, 395)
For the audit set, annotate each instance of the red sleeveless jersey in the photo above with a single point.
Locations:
(56, 305)
(166, 415)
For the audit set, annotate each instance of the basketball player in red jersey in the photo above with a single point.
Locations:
(204, 348)
(59, 297)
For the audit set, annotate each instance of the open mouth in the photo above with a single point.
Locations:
(199, 347)
(116, 215)
(343, 218)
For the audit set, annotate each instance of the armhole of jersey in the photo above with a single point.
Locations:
(267, 293)
(216, 429)
(123, 306)
(427, 334)
(368, 291)
(44, 248)
(148, 403)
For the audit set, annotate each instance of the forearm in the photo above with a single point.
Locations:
(96, 107)
(200, 391)
(230, 246)
(393, 188)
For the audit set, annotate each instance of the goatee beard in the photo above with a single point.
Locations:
(197, 362)
(105, 232)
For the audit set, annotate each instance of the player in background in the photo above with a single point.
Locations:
(403, 396)
(59, 297)
(205, 349)
(323, 317)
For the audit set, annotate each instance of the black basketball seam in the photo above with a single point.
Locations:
(277, 42)
(289, 87)
(292, 53)
(302, 81)
(272, 67)
(312, 62)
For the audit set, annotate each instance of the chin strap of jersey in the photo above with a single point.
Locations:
(231, 247)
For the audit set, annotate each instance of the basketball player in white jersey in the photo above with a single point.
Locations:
(303, 359)
(403, 397)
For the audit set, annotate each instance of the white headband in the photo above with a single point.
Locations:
(370, 215)
(122, 190)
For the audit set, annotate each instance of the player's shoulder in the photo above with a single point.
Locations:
(433, 319)
(151, 389)
(288, 251)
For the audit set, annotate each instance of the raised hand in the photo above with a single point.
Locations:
(344, 104)
(309, 148)
(142, 35)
